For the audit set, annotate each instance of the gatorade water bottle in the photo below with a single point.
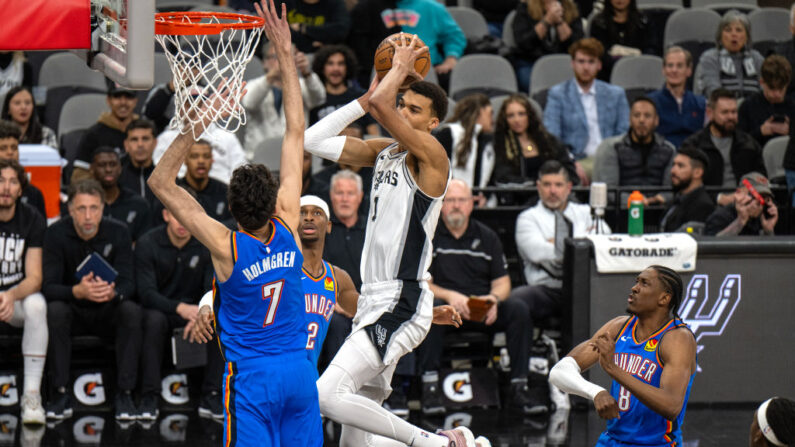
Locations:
(635, 205)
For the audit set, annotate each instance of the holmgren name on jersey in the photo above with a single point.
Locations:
(274, 261)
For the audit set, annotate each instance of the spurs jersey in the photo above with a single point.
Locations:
(639, 425)
(400, 225)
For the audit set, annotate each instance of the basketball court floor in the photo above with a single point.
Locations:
(704, 427)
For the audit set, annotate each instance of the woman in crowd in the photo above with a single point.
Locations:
(733, 64)
(15, 70)
(542, 27)
(623, 30)
(20, 108)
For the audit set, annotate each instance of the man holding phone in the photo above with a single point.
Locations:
(753, 212)
(767, 114)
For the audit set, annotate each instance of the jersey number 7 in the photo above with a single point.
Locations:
(272, 292)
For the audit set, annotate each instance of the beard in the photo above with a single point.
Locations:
(455, 220)
(682, 185)
(725, 129)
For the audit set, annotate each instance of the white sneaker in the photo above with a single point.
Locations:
(460, 437)
(32, 411)
(31, 435)
(481, 441)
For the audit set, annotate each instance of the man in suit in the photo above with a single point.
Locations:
(584, 110)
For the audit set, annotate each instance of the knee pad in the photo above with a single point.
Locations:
(35, 307)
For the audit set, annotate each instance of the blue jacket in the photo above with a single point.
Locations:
(565, 118)
(432, 23)
(675, 126)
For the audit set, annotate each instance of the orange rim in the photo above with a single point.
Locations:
(185, 23)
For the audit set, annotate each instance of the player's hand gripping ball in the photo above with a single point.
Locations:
(385, 52)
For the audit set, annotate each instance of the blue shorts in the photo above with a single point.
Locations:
(272, 401)
(606, 441)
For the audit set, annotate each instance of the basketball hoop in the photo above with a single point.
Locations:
(207, 51)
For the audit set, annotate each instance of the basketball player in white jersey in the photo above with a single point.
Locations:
(394, 309)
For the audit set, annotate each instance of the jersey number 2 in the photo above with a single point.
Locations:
(273, 292)
(312, 329)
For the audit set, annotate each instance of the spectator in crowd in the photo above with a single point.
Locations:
(371, 28)
(121, 203)
(787, 49)
(90, 305)
(732, 153)
(641, 157)
(172, 272)
(468, 261)
(540, 243)
(228, 153)
(336, 67)
(494, 12)
(623, 30)
(21, 303)
(110, 130)
(773, 423)
(788, 162)
(680, 110)
(542, 27)
(20, 108)
(343, 248)
(322, 179)
(752, 212)
(15, 70)
(316, 23)
(522, 144)
(159, 105)
(691, 201)
(263, 102)
(468, 141)
(584, 110)
(10, 134)
(137, 164)
(210, 193)
(767, 114)
(733, 64)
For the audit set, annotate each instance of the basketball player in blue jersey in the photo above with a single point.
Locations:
(651, 357)
(394, 312)
(270, 398)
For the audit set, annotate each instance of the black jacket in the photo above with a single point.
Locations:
(344, 248)
(134, 179)
(64, 250)
(756, 109)
(725, 215)
(529, 46)
(166, 275)
(745, 156)
(695, 206)
(131, 209)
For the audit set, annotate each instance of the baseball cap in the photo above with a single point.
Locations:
(114, 89)
(758, 181)
(315, 201)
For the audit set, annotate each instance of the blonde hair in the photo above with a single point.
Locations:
(536, 10)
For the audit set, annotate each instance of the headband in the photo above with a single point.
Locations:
(767, 430)
(315, 201)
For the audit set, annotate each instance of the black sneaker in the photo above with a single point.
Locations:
(530, 401)
(125, 407)
(397, 403)
(211, 406)
(432, 402)
(147, 410)
(60, 406)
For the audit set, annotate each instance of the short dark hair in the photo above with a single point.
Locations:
(86, 186)
(553, 167)
(435, 93)
(252, 196)
(326, 51)
(717, 95)
(590, 46)
(698, 159)
(13, 164)
(142, 123)
(672, 283)
(10, 129)
(644, 98)
(104, 150)
(776, 71)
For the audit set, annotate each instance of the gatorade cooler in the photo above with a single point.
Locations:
(43, 165)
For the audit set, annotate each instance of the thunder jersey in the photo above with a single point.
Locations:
(320, 295)
(259, 309)
(400, 224)
(638, 424)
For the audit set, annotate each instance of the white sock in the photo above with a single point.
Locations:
(34, 367)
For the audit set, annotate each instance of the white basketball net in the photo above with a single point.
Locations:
(203, 64)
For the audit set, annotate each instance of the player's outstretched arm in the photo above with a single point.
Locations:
(347, 296)
(677, 352)
(290, 173)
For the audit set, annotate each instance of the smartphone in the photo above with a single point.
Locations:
(779, 118)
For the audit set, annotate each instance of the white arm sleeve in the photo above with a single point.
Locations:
(566, 376)
(207, 300)
(322, 138)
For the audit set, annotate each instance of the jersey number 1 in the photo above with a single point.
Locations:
(273, 292)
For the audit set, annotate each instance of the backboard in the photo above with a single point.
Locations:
(122, 41)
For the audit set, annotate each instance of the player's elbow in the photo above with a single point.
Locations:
(556, 375)
(379, 103)
(672, 410)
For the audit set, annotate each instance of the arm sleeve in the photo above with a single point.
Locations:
(53, 267)
(337, 25)
(146, 279)
(567, 376)
(530, 241)
(123, 262)
(450, 35)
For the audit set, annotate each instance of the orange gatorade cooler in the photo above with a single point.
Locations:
(43, 166)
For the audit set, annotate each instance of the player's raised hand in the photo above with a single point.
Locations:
(277, 30)
(606, 406)
(606, 346)
(200, 329)
(446, 315)
(406, 55)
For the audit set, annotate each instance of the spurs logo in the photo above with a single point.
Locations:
(380, 333)
(709, 315)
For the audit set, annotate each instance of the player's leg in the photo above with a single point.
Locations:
(249, 417)
(377, 390)
(31, 313)
(356, 364)
(300, 420)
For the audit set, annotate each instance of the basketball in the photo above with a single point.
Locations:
(385, 52)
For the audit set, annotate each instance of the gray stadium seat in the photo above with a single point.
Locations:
(67, 70)
(768, 27)
(548, 71)
(692, 29)
(773, 155)
(450, 108)
(660, 3)
(486, 73)
(269, 153)
(162, 69)
(723, 5)
(254, 69)
(81, 112)
(657, 12)
(496, 103)
(507, 30)
(638, 75)
(471, 21)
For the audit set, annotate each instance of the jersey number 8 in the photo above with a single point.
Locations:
(624, 397)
